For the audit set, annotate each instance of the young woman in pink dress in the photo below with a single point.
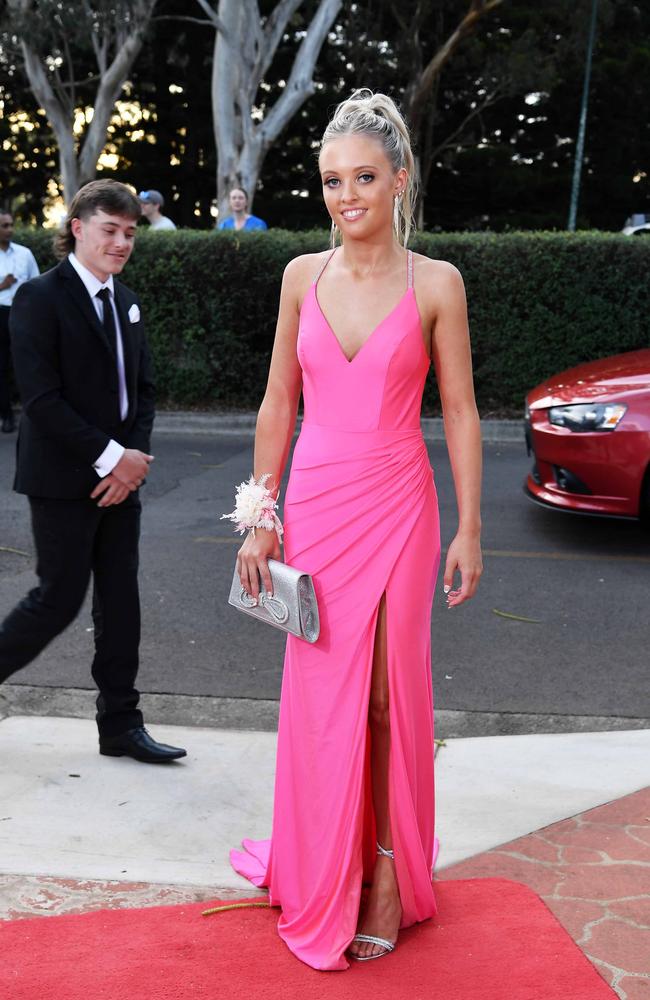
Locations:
(358, 328)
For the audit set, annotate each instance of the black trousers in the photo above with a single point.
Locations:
(76, 539)
(5, 364)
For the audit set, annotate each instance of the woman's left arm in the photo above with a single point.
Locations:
(451, 355)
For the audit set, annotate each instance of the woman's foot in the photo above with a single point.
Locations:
(383, 913)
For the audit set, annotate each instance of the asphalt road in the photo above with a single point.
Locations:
(583, 582)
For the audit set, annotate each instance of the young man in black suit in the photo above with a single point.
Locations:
(84, 375)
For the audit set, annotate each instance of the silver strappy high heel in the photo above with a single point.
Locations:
(384, 943)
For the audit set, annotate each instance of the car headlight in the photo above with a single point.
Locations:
(588, 416)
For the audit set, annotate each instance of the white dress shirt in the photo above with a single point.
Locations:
(113, 451)
(19, 261)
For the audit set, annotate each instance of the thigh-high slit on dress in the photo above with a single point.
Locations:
(361, 516)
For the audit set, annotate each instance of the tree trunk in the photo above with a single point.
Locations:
(69, 169)
(226, 113)
(244, 49)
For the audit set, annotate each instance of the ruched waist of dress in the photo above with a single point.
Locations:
(318, 443)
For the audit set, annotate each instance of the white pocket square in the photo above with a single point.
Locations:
(134, 314)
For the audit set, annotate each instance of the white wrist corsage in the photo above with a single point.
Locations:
(255, 507)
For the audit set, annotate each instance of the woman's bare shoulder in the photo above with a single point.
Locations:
(430, 269)
(301, 272)
(438, 284)
(305, 266)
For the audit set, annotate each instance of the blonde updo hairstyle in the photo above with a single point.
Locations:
(377, 116)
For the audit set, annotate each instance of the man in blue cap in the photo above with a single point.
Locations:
(151, 204)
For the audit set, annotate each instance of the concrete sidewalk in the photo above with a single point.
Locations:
(79, 831)
(243, 425)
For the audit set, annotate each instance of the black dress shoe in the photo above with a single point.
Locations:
(8, 424)
(137, 743)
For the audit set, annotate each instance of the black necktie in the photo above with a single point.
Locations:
(108, 321)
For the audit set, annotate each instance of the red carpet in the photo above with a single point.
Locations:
(492, 940)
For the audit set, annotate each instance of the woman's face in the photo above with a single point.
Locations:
(359, 185)
(238, 200)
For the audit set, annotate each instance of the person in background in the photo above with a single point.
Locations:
(151, 204)
(240, 219)
(17, 265)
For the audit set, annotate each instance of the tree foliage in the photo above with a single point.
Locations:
(76, 57)
(497, 138)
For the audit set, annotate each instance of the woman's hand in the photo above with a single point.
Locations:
(252, 560)
(464, 555)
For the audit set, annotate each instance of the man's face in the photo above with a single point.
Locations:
(6, 228)
(148, 208)
(103, 242)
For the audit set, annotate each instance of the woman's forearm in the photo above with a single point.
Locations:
(276, 422)
(463, 434)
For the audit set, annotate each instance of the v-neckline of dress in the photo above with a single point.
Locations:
(329, 326)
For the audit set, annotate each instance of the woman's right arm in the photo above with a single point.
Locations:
(276, 421)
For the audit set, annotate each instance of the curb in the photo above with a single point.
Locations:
(243, 425)
(257, 715)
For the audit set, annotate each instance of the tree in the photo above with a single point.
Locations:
(58, 43)
(424, 37)
(421, 91)
(173, 149)
(479, 102)
(405, 48)
(496, 164)
(245, 46)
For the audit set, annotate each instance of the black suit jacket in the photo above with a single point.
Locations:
(67, 376)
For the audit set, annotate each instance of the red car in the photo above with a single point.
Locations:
(588, 429)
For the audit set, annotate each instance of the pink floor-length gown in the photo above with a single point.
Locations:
(361, 516)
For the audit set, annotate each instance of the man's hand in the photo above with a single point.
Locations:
(7, 282)
(112, 489)
(132, 468)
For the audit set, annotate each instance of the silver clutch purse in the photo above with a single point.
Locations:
(293, 606)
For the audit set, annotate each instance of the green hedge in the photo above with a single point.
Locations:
(539, 302)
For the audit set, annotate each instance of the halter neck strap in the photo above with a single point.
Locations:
(324, 265)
